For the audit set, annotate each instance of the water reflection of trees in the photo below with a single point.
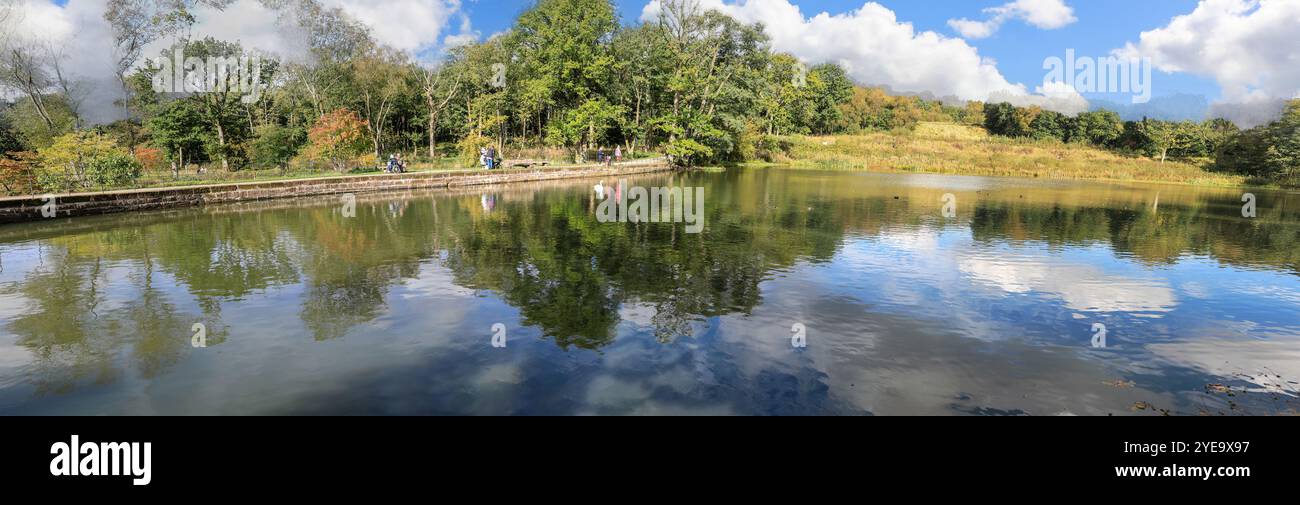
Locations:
(544, 253)
(569, 274)
(1160, 235)
(76, 333)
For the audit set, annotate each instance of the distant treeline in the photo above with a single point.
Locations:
(1270, 151)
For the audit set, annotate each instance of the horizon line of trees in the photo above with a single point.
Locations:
(1270, 152)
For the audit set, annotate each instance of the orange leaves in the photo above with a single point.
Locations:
(337, 136)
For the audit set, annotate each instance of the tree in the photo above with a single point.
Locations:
(274, 145)
(639, 59)
(381, 77)
(1270, 151)
(1099, 128)
(440, 86)
(585, 125)
(876, 109)
(1158, 136)
(134, 26)
(18, 173)
(973, 113)
(1022, 121)
(1218, 132)
(180, 132)
(785, 98)
(1284, 139)
(22, 68)
(1050, 125)
(563, 44)
(715, 60)
(829, 86)
(31, 127)
(999, 119)
(338, 137)
(10, 140)
(220, 100)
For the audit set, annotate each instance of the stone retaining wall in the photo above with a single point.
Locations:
(28, 208)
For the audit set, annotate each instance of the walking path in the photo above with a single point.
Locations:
(34, 208)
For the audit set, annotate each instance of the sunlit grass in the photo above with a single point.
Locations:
(943, 148)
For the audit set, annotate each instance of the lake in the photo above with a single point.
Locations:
(807, 292)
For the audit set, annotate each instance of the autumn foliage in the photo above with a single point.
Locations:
(18, 173)
(150, 158)
(337, 137)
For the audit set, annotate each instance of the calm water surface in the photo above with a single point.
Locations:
(906, 312)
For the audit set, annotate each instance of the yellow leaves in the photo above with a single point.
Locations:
(71, 151)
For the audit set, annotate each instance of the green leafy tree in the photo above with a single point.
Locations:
(1099, 128)
(829, 86)
(563, 49)
(1050, 125)
(274, 145)
(10, 141)
(181, 132)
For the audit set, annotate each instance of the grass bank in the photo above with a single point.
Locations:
(944, 148)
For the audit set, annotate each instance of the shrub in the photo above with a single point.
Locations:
(113, 170)
(338, 137)
(275, 145)
(150, 159)
(66, 164)
(18, 173)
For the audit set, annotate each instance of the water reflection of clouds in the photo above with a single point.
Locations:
(911, 263)
(16, 260)
(1274, 292)
(947, 262)
(1083, 288)
(873, 358)
(1273, 366)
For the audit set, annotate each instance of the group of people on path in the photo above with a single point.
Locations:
(612, 158)
(395, 164)
(487, 157)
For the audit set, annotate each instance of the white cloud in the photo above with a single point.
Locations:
(38, 20)
(1056, 96)
(256, 28)
(1248, 46)
(1045, 14)
(78, 37)
(409, 25)
(875, 48)
(465, 36)
(974, 29)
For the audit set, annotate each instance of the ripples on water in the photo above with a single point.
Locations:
(991, 312)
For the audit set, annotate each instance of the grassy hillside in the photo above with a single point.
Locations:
(947, 148)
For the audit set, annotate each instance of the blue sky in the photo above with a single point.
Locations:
(1019, 49)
